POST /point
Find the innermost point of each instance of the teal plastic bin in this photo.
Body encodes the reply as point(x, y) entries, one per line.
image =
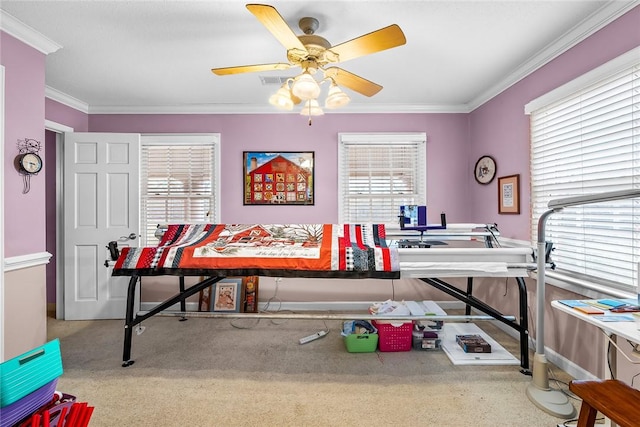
point(28, 372)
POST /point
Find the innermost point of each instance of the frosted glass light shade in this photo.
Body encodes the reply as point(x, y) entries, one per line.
point(282, 98)
point(311, 108)
point(336, 98)
point(305, 87)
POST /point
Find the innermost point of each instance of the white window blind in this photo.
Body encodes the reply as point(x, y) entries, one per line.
point(378, 173)
point(588, 142)
point(178, 182)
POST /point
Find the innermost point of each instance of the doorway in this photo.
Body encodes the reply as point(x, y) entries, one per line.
point(54, 140)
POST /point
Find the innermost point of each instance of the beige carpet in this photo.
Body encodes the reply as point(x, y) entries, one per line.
point(206, 372)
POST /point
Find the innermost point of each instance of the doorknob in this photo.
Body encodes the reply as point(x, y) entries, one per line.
point(131, 236)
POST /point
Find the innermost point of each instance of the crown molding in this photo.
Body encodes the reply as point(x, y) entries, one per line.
point(267, 109)
point(26, 34)
point(65, 99)
point(596, 21)
point(56, 127)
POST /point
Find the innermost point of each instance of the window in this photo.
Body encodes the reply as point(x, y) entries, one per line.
point(378, 173)
point(179, 177)
point(585, 139)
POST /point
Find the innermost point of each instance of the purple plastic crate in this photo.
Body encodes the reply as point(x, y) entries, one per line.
point(22, 408)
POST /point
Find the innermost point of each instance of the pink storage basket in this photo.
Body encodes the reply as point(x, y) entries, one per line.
point(394, 338)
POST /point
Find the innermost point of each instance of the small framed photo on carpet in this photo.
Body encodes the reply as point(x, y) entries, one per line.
point(227, 295)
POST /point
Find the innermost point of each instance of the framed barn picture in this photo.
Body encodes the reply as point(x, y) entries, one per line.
point(278, 177)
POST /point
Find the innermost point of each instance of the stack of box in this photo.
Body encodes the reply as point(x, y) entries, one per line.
point(473, 343)
point(428, 334)
point(28, 382)
point(426, 339)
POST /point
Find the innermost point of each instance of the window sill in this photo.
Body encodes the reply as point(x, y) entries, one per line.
point(587, 288)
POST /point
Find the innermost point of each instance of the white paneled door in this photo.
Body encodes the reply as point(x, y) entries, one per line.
point(101, 191)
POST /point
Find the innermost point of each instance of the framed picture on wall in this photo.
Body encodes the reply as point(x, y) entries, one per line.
point(227, 295)
point(509, 194)
point(278, 177)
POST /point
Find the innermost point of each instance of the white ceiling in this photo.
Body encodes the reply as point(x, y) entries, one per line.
point(156, 56)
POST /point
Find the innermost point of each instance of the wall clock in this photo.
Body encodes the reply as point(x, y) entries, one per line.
point(485, 169)
point(30, 163)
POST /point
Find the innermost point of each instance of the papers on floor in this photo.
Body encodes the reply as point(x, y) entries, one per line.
point(498, 356)
point(406, 308)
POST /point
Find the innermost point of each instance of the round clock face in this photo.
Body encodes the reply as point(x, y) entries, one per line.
point(31, 163)
point(485, 169)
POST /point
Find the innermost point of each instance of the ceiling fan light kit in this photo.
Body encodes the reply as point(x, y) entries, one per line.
point(312, 52)
point(336, 98)
point(311, 108)
point(305, 87)
point(282, 98)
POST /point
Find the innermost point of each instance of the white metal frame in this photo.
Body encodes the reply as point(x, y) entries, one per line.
point(556, 402)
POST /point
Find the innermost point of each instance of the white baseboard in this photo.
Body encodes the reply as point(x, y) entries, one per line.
point(332, 305)
point(148, 306)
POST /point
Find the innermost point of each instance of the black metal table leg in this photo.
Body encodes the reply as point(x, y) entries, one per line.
point(524, 326)
point(467, 308)
point(132, 320)
point(128, 323)
point(183, 303)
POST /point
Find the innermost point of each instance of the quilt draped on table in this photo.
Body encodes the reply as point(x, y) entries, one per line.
point(283, 250)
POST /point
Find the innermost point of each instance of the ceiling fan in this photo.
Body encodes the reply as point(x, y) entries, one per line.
point(312, 52)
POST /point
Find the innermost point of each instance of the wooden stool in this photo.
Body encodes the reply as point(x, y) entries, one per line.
point(613, 398)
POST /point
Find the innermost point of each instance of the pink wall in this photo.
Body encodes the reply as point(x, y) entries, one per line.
point(500, 127)
point(455, 141)
point(62, 114)
point(24, 118)
point(447, 148)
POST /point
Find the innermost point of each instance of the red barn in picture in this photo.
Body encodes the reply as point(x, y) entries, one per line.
point(278, 178)
point(250, 234)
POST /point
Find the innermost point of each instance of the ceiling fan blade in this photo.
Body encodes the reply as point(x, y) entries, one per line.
point(382, 39)
point(270, 18)
point(250, 68)
point(352, 81)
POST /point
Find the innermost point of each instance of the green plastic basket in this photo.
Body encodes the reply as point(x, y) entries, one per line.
point(361, 343)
